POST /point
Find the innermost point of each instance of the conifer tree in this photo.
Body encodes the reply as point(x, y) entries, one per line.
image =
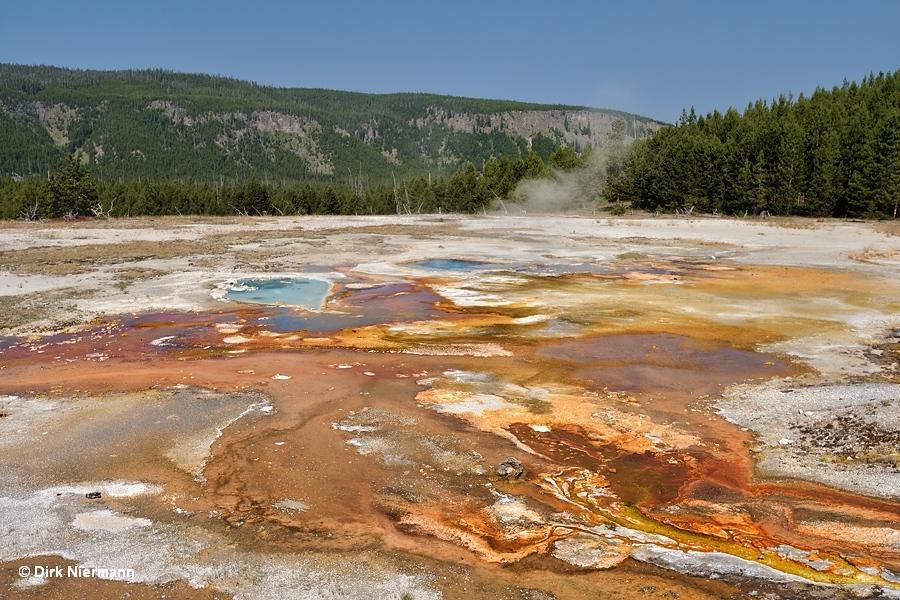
point(72, 190)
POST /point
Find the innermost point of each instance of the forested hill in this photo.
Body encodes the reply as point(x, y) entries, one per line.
point(162, 125)
point(834, 153)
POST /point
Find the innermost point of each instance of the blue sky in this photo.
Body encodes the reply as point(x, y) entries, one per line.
point(651, 58)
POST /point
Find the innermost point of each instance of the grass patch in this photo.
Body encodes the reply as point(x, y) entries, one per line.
point(261, 260)
point(792, 222)
point(18, 311)
point(871, 255)
point(888, 227)
point(208, 263)
point(534, 405)
point(71, 260)
point(166, 222)
point(632, 256)
point(419, 231)
point(138, 273)
point(128, 275)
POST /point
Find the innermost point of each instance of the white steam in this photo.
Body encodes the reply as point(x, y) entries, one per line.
point(581, 188)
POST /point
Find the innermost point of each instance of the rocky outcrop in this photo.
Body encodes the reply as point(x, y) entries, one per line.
point(300, 133)
point(55, 118)
point(577, 127)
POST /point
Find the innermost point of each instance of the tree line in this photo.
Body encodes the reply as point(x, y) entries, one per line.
point(72, 191)
point(835, 153)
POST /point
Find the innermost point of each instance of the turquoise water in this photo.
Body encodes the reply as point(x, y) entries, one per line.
point(450, 264)
point(299, 292)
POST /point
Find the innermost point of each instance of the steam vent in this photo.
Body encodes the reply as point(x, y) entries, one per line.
point(509, 406)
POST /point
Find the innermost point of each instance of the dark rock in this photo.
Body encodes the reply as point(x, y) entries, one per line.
point(93, 495)
point(510, 468)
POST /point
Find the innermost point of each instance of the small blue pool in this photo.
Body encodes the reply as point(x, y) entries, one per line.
point(299, 292)
point(450, 264)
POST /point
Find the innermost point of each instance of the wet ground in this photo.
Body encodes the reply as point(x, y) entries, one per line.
point(350, 449)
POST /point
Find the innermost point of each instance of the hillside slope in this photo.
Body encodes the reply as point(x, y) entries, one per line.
point(161, 125)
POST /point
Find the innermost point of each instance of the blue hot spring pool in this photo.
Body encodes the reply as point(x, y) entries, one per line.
point(450, 264)
point(301, 292)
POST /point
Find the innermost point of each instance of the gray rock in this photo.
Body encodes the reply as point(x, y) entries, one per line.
point(510, 469)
